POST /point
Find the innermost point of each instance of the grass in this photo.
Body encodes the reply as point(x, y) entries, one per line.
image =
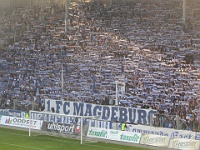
point(19, 140)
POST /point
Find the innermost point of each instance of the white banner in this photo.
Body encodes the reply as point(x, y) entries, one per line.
point(171, 133)
point(116, 135)
point(154, 140)
point(20, 122)
point(184, 144)
point(109, 113)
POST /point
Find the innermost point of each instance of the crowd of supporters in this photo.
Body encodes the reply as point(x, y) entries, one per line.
point(143, 45)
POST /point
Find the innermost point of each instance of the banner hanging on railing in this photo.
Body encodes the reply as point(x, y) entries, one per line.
point(109, 113)
point(12, 113)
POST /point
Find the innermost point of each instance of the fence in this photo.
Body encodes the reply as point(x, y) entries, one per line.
point(175, 122)
point(163, 121)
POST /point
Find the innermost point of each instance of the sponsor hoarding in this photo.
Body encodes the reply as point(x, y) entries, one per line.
point(20, 122)
point(61, 128)
point(130, 137)
point(97, 133)
point(155, 140)
point(184, 144)
point(171, 133)
point(116, 135)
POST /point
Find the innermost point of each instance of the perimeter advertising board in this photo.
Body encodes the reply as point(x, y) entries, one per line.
point(184, 144)
point(20, 122)
point(171, 133)
point(154, 140)
point(61, 128)
point(116, 135)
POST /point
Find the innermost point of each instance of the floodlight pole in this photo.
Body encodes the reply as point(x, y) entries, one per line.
point(66, 16)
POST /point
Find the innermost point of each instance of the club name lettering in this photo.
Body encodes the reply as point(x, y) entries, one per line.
point(110, 113)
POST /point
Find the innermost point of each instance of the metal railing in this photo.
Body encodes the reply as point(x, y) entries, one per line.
point(175, 122)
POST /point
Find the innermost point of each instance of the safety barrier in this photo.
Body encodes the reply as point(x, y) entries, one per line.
point(145, 139)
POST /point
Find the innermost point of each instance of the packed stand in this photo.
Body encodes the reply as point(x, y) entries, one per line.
point(141, 44)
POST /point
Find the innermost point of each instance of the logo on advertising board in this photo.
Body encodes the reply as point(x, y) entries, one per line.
point(61, 128)
point(184, 144)
point(20, 122)
point(154, 140)
point(8, 121)
point(113, 134)
point(77, 129)
point(130, 138)
point(100, 133)
point(149, 140)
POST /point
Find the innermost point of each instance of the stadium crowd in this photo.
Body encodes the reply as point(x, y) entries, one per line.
point(144, 45)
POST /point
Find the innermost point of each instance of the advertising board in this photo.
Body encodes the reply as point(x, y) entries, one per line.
point(115, 135)
point(97, 133)
point(130, 137)
point(61, 128)
point(184, 144)
point(154, 140)
point(171, 133)
point(20, 122)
